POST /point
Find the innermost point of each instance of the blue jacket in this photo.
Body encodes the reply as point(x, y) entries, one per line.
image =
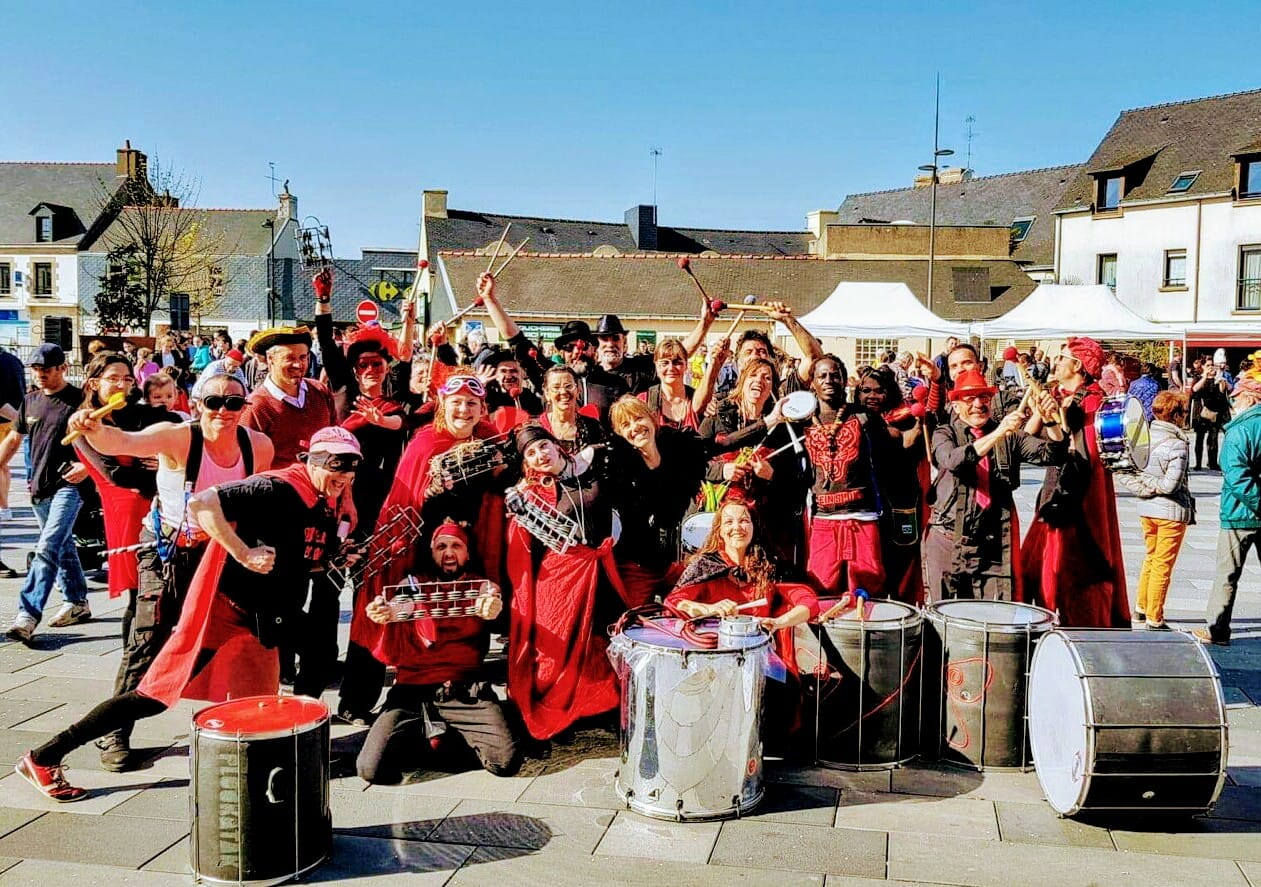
point(1240, 460)
point(1145, 388)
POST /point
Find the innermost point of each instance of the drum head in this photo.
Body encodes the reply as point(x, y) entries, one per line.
point(799, 406)
point(1057, 724)
point(1137, 433)
point(881, 611)
point(658, 633)
point(261, 715)
point(993, 613)
point(696, 530)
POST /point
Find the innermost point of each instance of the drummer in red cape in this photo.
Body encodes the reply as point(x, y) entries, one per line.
point(972, 549)
point(1080, 572)
point(266, 533)
point(438, 691)
point(564, 593)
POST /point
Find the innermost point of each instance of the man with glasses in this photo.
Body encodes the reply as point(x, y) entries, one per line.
point(1240, 504)
point(972, 548)
point(191, 458)
point(53, 474)
point(265, 532)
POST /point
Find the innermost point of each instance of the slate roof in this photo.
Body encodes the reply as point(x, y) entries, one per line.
point(988, 200)
point(466, 230)
point(650, 285)
point(1161, 142)
point(76, 186)
point(240, 231)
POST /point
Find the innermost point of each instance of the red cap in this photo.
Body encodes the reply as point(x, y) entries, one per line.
point(235, 354)
point(1010, 353)
point(450, 528)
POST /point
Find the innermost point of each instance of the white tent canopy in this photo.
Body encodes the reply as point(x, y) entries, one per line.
point(875, 311)
point(1058, 310)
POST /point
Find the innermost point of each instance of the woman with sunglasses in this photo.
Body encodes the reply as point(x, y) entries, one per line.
point(458, 421)
point(574, 431)
point(562, 595)
point(190, 457)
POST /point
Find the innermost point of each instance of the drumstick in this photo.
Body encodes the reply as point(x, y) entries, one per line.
point(686, 265)
point(511, 256)
point(116, 401)
point(751, 605)
point(748, 300)
point(498, 247)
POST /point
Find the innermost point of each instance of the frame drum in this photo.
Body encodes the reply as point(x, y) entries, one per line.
point(691, 721)
point(1124, 720)
point(799, 406)
point(695, 531)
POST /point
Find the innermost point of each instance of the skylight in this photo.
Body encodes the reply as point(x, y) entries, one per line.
point(1184, 182)
point(1020, 229)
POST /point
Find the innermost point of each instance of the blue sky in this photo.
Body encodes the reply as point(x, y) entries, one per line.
point(763, 111)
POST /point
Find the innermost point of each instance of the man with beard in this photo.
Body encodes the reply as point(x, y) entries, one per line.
point(505, 389)
point(597, 388)
point(638, 372)
point(437, 702)
point(844, 544)
point(972, 549)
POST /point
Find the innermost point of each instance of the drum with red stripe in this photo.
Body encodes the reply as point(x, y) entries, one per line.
point(260, 790)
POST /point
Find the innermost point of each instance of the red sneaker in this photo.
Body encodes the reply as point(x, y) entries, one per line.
point(50, 781)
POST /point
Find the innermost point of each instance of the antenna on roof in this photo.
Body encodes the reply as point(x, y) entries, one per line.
point(655, 152)
point(272, 178)
point(971, 134)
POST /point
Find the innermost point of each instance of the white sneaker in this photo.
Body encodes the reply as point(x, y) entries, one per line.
point(71, 614)
point(23, 627)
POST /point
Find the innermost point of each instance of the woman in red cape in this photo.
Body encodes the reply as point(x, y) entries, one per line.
point(458, 420)
point(558, 667)
point(1073, 562)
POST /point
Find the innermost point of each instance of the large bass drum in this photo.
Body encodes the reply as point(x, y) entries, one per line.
point(860, 683)
point(976, 671)
point(1123, 720)
point(691, 720)
point(260, 792)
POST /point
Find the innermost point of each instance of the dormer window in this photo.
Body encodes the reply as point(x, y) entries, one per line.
point(44, 228)
point(1110, 190)
point(1250, 176)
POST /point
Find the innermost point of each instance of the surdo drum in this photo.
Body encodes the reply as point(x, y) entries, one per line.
point(691, 719)
point(864, 677)
point(976, 670)
point(1122, 432)
point(1122, 720)
point(260, 795)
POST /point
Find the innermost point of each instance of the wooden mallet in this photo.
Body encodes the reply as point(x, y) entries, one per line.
point(749, 304)
point(116, 401)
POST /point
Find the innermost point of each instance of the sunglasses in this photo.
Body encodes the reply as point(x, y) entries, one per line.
point(454, 384)
point(232, 402)
point(579, 345)
point(344, 463)
point(370, 365)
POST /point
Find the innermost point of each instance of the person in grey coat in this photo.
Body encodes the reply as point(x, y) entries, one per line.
point(1166, 506)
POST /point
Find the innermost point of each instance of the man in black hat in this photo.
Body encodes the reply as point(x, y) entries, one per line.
point(506, 389)
point(638, 371)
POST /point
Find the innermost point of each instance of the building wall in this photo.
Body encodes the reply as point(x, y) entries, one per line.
point(26, 326)
point(1140, 238)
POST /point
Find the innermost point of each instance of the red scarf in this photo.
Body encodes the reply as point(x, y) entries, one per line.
point(296, 476)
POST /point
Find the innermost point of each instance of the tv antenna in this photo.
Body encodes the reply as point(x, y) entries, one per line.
point(271, 176)
point(971, 134)
point(656, 153)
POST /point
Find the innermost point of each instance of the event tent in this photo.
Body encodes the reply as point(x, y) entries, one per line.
point(1057, 310)
point(875, 311)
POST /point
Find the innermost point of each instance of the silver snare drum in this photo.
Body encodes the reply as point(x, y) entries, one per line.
point(691, 722)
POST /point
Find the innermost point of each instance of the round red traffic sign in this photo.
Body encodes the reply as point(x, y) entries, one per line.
point(367, 311)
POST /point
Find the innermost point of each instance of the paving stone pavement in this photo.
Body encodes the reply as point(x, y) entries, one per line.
point(561, 823)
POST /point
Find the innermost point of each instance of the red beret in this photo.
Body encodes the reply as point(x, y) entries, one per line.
point(1089, 352)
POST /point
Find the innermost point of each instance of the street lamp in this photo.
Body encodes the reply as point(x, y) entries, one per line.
point(933, 168)
point(270, 225)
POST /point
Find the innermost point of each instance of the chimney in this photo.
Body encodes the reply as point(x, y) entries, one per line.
point(288, 207)
point(435, 204)
point(818, 219)
point(953, 175)
point(131, 164)
point(642, 221)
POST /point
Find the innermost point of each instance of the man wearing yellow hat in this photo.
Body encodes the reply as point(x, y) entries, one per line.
point(287, 407)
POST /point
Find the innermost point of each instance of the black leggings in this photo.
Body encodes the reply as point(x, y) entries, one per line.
point(116, 713)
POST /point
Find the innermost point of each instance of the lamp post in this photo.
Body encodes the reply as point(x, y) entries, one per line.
point(270, 225)
point(933, 168)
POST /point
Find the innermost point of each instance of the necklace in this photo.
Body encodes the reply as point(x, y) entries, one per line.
point(576, 506)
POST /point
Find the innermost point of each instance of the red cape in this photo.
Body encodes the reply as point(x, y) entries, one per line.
point(124, 511)
point(1060, 576)
point(558, 666)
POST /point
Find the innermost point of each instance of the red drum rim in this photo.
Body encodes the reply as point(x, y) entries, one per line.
point(261, 717)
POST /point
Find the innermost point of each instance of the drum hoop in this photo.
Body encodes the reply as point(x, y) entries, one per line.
point(795, 413)
point(685, 652)
point(238, 735)
point(1049, 624)
point(911, 618)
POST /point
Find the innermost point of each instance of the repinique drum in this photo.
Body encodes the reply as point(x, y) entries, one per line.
point(695, 531)
point(861, 685)
point(1122, 432)
point(691, 721)
point(1123, 720)
point(260, 795)
point(976, 672)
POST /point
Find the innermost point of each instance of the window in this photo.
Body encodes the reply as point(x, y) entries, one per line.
point(1250, 177)
point(179, 311)
point(1109, 193)
point(6, 280)
point(43, 278)
point(1184, 182)
point(1249, 297)
point(1020, 229)
point(1108, 270)
point(869, 352)
point(43, 229)
point(1175, 267)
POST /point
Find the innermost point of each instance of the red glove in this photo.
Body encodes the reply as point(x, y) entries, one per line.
point(323, 285)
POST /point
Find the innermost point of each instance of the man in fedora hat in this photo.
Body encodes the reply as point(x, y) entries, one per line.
point(638, 371)
point(972, 548)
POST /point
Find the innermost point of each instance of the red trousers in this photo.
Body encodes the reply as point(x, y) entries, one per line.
point(850, 544)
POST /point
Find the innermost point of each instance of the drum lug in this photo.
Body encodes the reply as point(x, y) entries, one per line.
point(735, 802)
point(678, 810)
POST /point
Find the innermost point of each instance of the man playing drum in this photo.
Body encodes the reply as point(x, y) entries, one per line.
point(972, 549)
